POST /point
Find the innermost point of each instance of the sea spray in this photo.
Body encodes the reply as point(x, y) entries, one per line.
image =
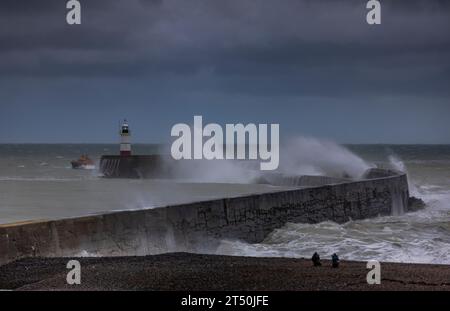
point(312, 156)
point(299, 156)
point(397, 164)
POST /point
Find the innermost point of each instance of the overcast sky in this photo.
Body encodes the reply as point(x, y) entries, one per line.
point(315, 67)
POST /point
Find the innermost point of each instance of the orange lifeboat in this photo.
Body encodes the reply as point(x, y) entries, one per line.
point(84, 162)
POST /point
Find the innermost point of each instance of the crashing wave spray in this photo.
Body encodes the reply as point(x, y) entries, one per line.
point(311, 156)
point(397, 164)
point(299, 156)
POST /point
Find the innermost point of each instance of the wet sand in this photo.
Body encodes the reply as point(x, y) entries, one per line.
point(192, 272)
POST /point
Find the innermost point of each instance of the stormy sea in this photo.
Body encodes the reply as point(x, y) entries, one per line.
point(38, 182)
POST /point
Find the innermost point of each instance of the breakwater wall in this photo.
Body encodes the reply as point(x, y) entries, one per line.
point(145, 166)
point(198, 226)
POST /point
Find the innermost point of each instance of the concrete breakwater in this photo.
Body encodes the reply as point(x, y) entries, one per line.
point(198, 226)
point(149, 166)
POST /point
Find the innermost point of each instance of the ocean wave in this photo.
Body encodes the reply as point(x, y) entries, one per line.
point(386, 245)
point(418, 237)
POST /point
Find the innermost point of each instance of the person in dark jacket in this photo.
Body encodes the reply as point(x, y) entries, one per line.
point(316, 260)
point(335, 261)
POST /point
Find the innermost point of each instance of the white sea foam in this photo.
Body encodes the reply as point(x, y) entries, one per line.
point(419, 237)
point(88, 167)
point(85, 253)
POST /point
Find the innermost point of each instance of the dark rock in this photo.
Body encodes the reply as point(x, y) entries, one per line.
point(415, 204)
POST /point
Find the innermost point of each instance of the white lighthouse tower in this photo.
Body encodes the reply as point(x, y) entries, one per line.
point(125, 135)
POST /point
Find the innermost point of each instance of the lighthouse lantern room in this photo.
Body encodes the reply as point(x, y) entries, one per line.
point(125, 135)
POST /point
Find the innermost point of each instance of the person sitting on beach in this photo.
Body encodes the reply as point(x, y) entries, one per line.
point(335, 260)
point(316, 260)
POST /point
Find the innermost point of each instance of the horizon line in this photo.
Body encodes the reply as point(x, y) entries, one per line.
point(159, 143)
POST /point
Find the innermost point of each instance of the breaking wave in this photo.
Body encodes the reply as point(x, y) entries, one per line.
point(311, 156)
point(298, 156)
point(419, 237)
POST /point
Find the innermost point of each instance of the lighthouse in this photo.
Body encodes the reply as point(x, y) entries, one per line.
point(125, 135)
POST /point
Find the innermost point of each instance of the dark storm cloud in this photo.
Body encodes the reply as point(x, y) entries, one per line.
point(318, 44)
point(311, 65)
